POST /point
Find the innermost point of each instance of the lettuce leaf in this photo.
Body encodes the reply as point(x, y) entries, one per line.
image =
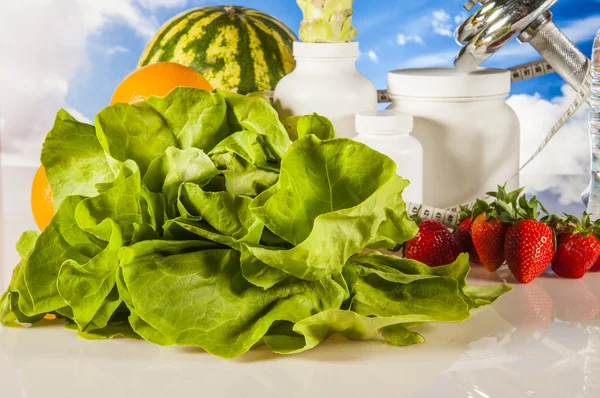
point(301, 126)
point(176, 167)
point(246, 162)
point(330, 205)
point(74, 159)
point(184, 118)
point(202, 299)
point(192, 219)
point(256, 115)
point(316, 125)
point(86, 287)
point(61, 241)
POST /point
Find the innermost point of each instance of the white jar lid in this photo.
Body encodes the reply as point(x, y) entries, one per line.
point(325, 50)
point(448, 83)
point(383, 123)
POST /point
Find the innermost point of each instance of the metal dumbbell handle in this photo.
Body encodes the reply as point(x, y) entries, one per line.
point(558, 51)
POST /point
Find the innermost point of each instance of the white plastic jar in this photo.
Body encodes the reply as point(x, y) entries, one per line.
point(326, 81)
point(389, 133)
point(470, 136)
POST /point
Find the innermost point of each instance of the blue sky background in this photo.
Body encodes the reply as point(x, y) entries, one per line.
point(379, 23)
point(75, 52)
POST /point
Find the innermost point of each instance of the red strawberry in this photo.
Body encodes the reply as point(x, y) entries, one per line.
point(433, 245)
point(490, 226)
point(528, 248)
point(576, 255)
point(578, 247)
point(563, 233)
point(488, 239)
point(464, 239)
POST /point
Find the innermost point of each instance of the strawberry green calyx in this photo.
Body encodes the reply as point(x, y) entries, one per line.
point(506, 197)
point(556, 222)
point(417, 216)
point(513, 207)
point(326, 21)
point(504, 207)
point(465, 212)
point(583, 226)
point(530, 210)
point(482, 207)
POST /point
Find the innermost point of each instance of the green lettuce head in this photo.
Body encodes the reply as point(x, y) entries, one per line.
point(326, 21)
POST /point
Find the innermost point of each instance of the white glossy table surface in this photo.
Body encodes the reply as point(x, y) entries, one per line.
point(540, 340)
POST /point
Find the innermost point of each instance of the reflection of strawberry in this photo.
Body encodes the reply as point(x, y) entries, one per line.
point(527, 307)
point(464, 238)
point(580, 304)
point(433, 245)
point(593, 284)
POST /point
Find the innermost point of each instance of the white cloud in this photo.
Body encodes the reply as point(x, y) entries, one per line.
point(46, 56)
point(97, 14)
point(403, 39)
point(440, 23)
point(568, 187)
point(567, 154)
point(581, 29)
point(458, 19)
point(441, 15)
point(110, 51)
point(154, 4)
point(373, 56)
point(78, 115)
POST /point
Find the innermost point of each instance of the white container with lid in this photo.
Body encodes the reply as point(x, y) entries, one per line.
point(389, 133)
point(326, 81)
point(470, 136)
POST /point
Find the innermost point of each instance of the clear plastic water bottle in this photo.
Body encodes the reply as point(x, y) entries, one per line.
point(594, 199)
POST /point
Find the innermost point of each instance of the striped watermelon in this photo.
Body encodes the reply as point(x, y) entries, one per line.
point(234, 48)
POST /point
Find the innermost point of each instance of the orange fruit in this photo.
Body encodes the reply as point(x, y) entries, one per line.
point(42, 204)
point(157, 79)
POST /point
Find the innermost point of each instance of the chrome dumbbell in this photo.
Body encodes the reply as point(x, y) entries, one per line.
point(496, 22)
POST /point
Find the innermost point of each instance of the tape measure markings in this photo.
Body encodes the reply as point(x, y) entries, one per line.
point(447, 217)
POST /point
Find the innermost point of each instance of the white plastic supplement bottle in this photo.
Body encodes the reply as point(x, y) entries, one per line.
point(389, 133)
point(470, 136)
point(327, 82)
